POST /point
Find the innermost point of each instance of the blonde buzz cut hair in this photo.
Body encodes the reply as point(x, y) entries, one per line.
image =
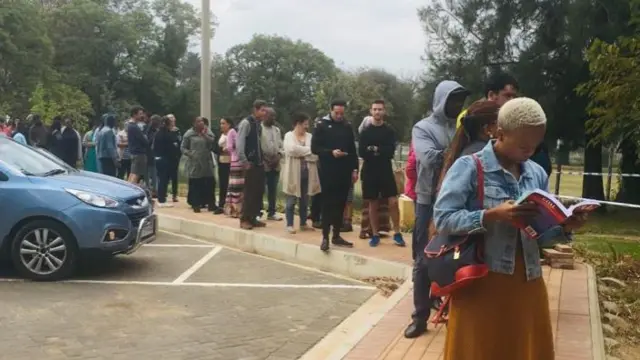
point(521, 112)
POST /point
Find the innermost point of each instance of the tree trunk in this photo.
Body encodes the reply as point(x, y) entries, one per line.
point(629, 191)
point(592, 187)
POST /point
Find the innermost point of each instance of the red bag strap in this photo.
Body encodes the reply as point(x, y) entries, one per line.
point(480, 180)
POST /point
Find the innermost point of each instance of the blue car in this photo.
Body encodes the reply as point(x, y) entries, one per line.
point(53, 215)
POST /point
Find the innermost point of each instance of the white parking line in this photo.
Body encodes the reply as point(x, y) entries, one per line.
point(209, 285)
point(195, 267)
point(180, 246)
point(337, 276)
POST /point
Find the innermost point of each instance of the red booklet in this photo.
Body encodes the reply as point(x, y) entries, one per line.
point(551, 212)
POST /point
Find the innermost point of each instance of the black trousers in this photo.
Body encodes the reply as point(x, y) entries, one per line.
point(172, 173)
point(253, 193)
point(124, 169)
point(108, 167)
point(162, 167)
point(334, 199)
point(422, 300)
point(201, 192)
point(316, 207)
point(223, 180)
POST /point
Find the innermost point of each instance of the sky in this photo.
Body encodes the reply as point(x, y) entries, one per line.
point(355, 33)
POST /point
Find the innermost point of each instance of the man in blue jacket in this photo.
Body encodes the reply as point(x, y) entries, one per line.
point(106, 148)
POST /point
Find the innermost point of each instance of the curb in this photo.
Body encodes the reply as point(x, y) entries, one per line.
point(597, 337)
point(336, 261)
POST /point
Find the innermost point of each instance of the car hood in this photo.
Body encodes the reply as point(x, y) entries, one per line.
point(97, 183)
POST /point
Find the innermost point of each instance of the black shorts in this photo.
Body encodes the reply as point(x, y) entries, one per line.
point(378, 184)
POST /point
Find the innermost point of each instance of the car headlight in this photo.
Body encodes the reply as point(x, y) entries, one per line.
point(93, 199)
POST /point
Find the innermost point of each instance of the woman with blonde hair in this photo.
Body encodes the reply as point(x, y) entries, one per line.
point(504, 315)
point(300, 178)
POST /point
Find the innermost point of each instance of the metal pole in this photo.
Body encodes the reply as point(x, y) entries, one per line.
point(558, 175)
point(205, 63)
point(559, 159)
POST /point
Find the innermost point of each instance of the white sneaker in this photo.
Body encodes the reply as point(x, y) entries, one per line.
point(291, 230)
point(165, 205)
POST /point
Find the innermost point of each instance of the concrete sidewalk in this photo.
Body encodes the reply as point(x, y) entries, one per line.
point(572, 296)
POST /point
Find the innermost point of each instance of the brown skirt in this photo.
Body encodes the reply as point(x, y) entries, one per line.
point(501, 317)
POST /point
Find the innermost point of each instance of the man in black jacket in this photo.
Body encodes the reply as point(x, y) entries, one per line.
point(250, 156)
point(334, 143)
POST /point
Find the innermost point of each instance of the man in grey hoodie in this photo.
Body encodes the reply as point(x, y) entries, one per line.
point(430, 137)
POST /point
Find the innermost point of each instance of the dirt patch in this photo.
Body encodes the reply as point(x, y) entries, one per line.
point(619, 295)
point(386, 285)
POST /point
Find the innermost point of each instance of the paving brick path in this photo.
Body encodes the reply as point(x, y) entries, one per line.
point(568, 299)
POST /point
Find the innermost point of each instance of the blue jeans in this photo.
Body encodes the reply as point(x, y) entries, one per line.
point(421, 283)
point(303, 205)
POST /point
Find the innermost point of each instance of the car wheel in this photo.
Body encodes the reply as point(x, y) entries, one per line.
point(44, 250)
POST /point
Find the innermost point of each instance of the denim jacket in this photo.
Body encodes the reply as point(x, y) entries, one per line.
point(456, 212)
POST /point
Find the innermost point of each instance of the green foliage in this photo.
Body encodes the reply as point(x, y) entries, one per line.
point(279, 70)
point(614, 88)
point(118, 53)
point(25, 53)
point(59, 99)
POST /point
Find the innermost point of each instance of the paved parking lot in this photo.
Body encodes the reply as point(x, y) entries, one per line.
point(177, 298)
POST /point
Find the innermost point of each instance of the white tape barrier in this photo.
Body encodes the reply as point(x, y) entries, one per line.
point(580, 173)
point(612, 203)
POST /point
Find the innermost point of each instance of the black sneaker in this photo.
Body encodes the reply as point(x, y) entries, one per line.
point(346, 227)
point(339, 241)
point(325, 245)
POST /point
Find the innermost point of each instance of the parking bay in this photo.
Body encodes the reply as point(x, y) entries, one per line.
point(177, 298)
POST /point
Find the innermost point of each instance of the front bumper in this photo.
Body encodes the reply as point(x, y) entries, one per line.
point(145, 233)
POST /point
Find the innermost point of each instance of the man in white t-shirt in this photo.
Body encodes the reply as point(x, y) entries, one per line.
point(123, 152)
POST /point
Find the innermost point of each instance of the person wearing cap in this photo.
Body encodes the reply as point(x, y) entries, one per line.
point(430, 138)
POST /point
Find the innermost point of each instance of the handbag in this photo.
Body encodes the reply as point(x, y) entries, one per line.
point(455, 261)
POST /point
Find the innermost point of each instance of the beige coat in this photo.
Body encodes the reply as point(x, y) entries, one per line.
point(293, 153)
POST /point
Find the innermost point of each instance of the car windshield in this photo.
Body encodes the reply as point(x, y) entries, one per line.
point(27, 160)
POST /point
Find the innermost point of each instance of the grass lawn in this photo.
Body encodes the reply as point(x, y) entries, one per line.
point(610, 244)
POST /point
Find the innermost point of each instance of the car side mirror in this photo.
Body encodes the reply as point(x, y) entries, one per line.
point(3, 176)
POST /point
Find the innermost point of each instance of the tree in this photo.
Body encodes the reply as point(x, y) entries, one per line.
point(283, 72)
point(540, 42)
point(25, 55)
point(614, 100)
point(59, 99)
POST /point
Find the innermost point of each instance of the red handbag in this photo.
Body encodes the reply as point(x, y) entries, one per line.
point(455, 261)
